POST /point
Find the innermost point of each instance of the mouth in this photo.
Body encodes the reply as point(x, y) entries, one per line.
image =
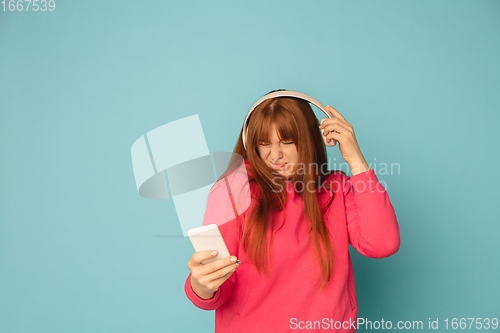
point(278, 166)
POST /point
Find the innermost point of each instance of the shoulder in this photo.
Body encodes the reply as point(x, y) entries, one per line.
point(336, 180)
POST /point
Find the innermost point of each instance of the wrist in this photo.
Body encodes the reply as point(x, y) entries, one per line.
point(201, 294)
point(205, 296)
point(359, 166)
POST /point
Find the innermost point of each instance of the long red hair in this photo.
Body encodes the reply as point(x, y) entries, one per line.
point(295, 121)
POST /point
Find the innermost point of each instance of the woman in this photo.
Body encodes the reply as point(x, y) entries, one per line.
point(290, 266)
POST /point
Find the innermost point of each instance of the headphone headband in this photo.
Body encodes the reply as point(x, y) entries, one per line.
point(282, 93)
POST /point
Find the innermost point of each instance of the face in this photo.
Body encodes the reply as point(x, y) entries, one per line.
point(279, 155)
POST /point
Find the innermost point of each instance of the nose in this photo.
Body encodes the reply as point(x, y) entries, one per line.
point(275, 153)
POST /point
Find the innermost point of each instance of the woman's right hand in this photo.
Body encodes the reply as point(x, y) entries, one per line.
point(206, 279)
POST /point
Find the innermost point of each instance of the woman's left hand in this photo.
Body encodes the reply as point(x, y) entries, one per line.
point(337, 129)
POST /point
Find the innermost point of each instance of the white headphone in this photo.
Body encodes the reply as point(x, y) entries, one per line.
point(283, 93)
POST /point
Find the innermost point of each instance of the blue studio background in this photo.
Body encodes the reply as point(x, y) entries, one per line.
point(80, 250)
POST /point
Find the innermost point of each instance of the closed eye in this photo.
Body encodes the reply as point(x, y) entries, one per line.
point(267, 144)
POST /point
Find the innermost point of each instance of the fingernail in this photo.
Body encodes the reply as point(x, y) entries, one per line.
point(214, 253)
point(233, 259)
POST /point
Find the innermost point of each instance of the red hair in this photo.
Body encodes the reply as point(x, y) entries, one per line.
point(295, 121)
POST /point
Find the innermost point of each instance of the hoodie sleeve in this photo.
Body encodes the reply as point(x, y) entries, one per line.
point(371, 220)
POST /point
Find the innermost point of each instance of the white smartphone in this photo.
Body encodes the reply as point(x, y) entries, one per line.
point(207, 238)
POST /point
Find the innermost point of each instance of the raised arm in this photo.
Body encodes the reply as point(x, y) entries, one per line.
point(371, 219)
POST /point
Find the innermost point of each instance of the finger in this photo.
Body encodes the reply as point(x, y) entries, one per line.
point(324, 119)
point(337, 127)
point(198, 257)
point(330, 142)
point(335, 137)
point(328, 121)
point(222, 272)
point(335, 113)
point(217, 265)
point(219, 281)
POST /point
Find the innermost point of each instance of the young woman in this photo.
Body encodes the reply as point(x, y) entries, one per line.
point(290, 266)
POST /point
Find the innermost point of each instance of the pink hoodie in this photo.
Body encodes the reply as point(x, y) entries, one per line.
point(290, 299)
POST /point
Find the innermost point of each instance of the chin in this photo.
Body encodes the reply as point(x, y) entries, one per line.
point(285, 175)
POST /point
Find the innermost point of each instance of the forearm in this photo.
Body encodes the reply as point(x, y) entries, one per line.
point(359, 166)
